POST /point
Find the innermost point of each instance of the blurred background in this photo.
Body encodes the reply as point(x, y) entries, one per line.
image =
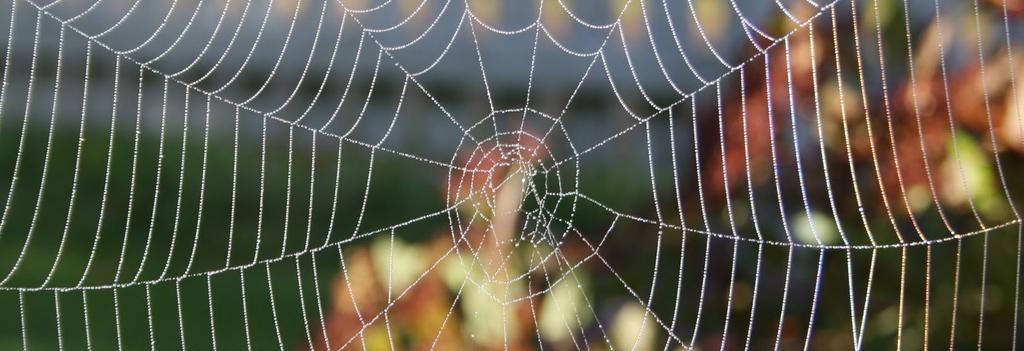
point(556, 174)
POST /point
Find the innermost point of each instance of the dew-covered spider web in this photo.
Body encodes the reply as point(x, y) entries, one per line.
point(511, 175)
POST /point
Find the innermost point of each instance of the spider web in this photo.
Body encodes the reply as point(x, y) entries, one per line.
point(250, 173)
